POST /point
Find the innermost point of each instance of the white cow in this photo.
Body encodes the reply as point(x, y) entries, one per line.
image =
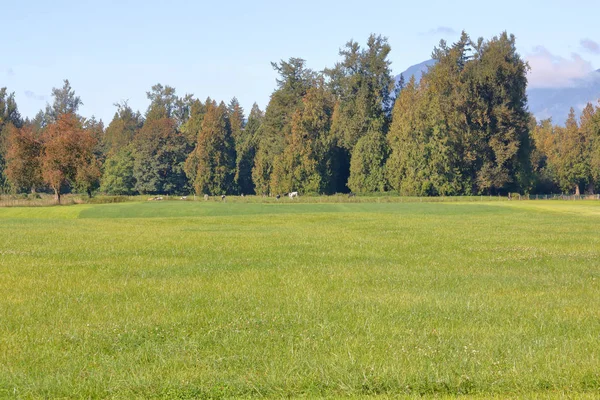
point(293, 194)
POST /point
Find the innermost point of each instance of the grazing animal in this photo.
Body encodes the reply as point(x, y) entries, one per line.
point(242, 194)
point(222, 197)
point(278, 196)
point(293, 194)
point(184, 198)
point(351, 194)
point(205, 197)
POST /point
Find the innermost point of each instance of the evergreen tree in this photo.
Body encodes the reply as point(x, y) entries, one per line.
point(465, 128)
point(544, 157)
point(163, 102)
point(573, 167)
point(367, 167)
point(211, 166)
point(410, 168)
point(122, 129)
point(499, 121)
point(364, 85)
point(305, 164)
point(246, 151)
point(590, 133)
point(9, 117)
point(192, 127)
point(65, 102)
point(242, 143)
point(294, 81)
point(236, 119)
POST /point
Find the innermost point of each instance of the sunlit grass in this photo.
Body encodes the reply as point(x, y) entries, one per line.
point(210, 299)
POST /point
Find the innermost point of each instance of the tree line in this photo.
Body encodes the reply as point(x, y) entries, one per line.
point(464, 128)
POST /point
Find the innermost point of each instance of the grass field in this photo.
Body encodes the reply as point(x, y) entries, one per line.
point(208, 299)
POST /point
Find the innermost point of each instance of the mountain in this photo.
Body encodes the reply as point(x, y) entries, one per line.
point(544, 103)
point(417, 71)
point(555, 103)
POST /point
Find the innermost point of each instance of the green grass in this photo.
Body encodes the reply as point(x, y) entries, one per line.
point(208, 299)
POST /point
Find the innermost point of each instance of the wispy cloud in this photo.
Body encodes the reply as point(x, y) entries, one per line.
point(590, 46)
point(31, 95)
point(552, 71)
point(440, 30)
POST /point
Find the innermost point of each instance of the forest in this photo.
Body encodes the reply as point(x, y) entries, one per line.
point(463, 129)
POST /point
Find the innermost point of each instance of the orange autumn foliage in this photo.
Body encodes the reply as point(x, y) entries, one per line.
point(68, 157)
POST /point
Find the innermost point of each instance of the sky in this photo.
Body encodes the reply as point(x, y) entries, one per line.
point(112, 51)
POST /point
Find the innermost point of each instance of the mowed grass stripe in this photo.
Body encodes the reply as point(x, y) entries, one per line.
point(383, 299)
point(174, 209)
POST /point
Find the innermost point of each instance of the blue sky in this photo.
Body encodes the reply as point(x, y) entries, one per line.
point(116, 50)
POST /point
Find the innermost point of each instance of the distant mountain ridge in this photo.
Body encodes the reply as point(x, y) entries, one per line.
point(544, 103)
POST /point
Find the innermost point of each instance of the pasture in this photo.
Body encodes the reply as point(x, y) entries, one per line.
point(227, 300)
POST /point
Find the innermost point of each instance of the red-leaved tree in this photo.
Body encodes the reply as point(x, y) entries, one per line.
point(68, 158)
point(23, 158)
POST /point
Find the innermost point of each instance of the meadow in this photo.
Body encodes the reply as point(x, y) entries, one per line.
point(238, 299)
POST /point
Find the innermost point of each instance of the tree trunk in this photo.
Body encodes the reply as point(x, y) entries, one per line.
point(577, 192)
point(591, 188)
point(57, 195)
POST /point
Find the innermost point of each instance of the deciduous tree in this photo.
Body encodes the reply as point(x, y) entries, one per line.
point(159, 152)
point(68, 158)
point(24, 155)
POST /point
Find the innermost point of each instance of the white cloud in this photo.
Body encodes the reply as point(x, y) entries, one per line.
point(552, 71)
point(441, 30)
point(31, 95)
point(590, 46)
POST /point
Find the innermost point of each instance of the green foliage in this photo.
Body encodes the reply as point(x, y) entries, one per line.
point(122, 129)
point(163, 102)
point(246, 150)
point(543, 157)
point(118, 178)
point(567, 157)
point(9, 117)
point(305, 163)
point(211, 166)
point(573, 171)
point(159, 153)
point(364, 84)
point(463, 130)
point(293, 83)
point(465, 127)
point(65, 102)
point(191, 128)
point(418, 163)
point(367, 167)
point(591, 127)
point(244, 147)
